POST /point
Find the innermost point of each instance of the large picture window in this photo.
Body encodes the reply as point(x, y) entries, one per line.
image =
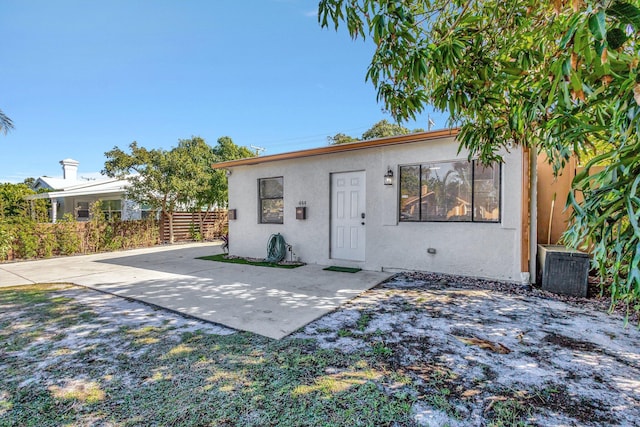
point(271, 202)
point(450, 191)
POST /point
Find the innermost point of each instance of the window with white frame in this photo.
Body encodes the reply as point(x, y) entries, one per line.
point(112, 209)
point(82, 211)
point(451, 191)
point(271, 200)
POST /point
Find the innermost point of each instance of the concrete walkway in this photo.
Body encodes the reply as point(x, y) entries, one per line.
point(272, 302)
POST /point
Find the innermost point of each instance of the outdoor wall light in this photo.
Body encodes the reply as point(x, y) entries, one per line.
point(388, 177)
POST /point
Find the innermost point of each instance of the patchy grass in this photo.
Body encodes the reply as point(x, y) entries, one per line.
point(133, 373)
point(508, 413)
point(392, 357)
point(258, 263)
point(475, 356)
point(363, 321)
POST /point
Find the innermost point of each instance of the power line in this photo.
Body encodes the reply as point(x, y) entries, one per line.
point(280, 141)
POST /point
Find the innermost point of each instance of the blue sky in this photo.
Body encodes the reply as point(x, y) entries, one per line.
point(80, 77)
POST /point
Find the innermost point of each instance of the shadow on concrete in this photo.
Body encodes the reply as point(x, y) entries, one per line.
point(269, 301)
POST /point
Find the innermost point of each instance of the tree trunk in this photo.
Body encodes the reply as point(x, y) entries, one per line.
point(170, 216)
point(202, 217)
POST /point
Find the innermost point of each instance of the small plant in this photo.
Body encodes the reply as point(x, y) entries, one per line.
point(509, 412)
point(400, 377)
point(441, 400)
point(194, 232)
point(343, 333)
point(380, 349)
point(363, 321)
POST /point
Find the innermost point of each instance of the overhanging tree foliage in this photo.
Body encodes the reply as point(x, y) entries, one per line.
point(216, 192)
point(180, 177)
point(558, 76)
point(379, 130)
point(15, 207)
point(340, 138)
point(161, 179)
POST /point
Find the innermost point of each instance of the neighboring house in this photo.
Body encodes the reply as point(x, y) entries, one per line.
point(409, 202)
point(70, 195)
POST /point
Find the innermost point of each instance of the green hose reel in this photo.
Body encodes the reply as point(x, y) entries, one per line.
point(276, 248)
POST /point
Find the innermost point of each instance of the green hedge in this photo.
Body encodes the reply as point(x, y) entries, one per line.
point(23, 238)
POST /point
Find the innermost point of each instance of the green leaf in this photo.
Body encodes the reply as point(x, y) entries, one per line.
point(597, 25)
point(570, 32)
point(626, 13)
point(599, 47)
point(513, 71)
point(576, 83)
point(566, 67)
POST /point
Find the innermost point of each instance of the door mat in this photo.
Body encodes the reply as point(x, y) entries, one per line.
point(342, 269)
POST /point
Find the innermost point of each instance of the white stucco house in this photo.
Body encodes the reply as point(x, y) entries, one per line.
point(70, 195)
point(408, 202)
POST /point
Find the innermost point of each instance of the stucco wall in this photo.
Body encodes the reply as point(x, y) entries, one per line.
point(476, 249)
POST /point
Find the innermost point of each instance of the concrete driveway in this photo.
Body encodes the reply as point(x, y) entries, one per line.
point(272, 302)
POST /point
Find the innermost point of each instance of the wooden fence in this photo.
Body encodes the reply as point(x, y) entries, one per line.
point(195, 226)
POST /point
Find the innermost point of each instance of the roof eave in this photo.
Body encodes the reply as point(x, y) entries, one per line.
point(351, 146)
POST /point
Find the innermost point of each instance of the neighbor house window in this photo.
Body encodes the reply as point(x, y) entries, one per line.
point(82, 210)
point(112, 209)
point(271, 202)
point(450, 191)
point(147, 212)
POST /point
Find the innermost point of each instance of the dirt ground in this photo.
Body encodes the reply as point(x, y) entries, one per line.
point(462, 352)
point(481, 347)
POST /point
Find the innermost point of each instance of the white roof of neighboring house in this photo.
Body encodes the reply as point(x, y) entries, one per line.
point(56, 183)
point(85, 188)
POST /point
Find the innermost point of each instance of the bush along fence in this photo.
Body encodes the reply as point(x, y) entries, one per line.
point(27, 239)
point(24, 238)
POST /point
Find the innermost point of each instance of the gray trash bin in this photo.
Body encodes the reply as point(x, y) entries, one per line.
point(562, 270)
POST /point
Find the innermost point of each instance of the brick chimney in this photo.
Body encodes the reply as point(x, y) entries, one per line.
point(69, 169)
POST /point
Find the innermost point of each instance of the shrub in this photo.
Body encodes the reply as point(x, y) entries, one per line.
point(95, 229)
point(6, 238)
point(194, 232)
point(24, 238)
point(67, 237)
point(25, 242)
point(47, 243)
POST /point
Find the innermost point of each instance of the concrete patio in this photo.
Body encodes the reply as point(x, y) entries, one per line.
point(272, 302)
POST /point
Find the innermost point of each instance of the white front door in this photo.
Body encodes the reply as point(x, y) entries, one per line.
point(348, 216)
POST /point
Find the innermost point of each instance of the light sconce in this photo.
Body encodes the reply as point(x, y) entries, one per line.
point(388, 177)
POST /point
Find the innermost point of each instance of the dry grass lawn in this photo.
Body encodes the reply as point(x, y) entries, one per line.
point(406, 353)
